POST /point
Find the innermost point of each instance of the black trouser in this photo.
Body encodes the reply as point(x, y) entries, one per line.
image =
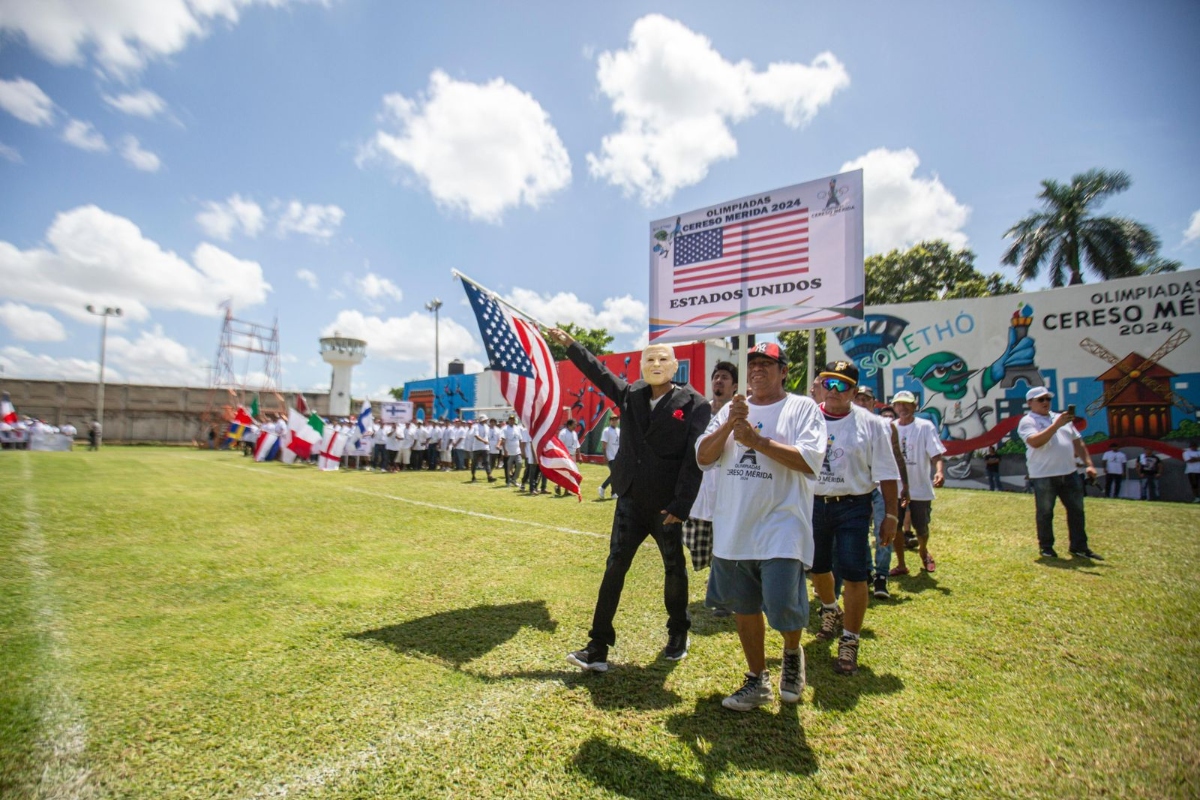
point(480, 460)
point(607, 480)
point(1112, 484)
point(632, 523)
point(431, 456)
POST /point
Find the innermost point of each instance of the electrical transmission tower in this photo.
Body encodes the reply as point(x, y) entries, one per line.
point(260, 368)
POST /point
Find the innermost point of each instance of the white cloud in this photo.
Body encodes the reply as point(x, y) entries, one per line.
point(131, 151)
point(406, 339)
point(143, 103)
point(30, 325)
point(317, 221)
point(78, 133)
point(92, 256)
point(152, 358)
point(618, 314)
point(309, 277)
point(10, 154)
point(1193, 229)
point(677, 97)
point(19, 362)
point(219, 220)
point(375, 288)
point(480, 148)
point(902, 209)
point(156, 359)
point(121, 35)
point(26, 101)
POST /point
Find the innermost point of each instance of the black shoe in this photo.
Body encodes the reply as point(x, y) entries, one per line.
point(677, 647)
point(881, 592)
point(1048, 552)
point(721, 613)
point(1092, 554)
point(592, 658)
point(911, 543)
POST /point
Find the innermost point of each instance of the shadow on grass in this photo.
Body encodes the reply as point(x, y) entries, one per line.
point(920, 581)
point(754, 741)
point(834, 692)
point(623, 687)
point(1085, 565)
point(703, 621)
point(465, 634)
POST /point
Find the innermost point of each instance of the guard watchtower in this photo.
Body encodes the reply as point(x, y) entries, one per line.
point(342, 353)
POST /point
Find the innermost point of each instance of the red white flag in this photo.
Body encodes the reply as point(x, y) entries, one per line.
point(7, 412)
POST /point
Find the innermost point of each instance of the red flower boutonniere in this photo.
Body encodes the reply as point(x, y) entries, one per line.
point(678, 414)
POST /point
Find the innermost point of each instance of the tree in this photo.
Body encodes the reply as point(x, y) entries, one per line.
point(596, 340)
point(1065, 235)
point(929, 270)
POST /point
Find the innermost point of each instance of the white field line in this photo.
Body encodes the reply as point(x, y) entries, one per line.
point(492, 706)
point(63, 735)
point(449, 509)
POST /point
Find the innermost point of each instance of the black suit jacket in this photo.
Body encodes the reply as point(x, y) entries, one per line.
point(656, 459)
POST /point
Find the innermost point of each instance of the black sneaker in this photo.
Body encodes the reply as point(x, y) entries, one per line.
point(910, 543)
point(677, 647)
point(1048, 552)
point(592, 658)
point(881, 592)
point(1092, 554)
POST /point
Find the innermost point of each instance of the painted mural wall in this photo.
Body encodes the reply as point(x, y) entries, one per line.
point(1125, 352)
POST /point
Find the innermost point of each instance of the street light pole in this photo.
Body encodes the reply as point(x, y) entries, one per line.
point(104, 314)
point(433, 305)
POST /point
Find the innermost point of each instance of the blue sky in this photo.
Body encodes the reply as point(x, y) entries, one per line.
point(328, 163)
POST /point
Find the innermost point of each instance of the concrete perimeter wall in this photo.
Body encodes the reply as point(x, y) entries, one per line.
point(132, 413)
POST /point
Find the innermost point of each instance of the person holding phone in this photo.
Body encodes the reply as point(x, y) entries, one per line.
point(1052, 444)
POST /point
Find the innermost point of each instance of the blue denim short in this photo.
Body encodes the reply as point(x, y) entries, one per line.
point(774, 586)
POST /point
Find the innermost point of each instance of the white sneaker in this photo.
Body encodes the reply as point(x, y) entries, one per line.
point(600, 491)
point(791, 683)
point(755, 692)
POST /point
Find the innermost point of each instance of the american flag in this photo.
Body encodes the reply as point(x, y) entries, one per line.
point(760, 249)
point(528, 380)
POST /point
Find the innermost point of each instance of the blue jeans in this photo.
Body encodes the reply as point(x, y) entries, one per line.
point(883, 553)
point(1069, 489)
point(1150, 487)
point(994, 484)
point(840, 533)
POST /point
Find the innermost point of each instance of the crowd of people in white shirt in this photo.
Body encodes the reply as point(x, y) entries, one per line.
point(486, 445)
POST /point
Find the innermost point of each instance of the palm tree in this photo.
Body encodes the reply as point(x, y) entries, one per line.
point(1065, 234)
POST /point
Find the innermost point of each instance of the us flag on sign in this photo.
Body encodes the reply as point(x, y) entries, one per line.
point(518, 354)
point(761, 249)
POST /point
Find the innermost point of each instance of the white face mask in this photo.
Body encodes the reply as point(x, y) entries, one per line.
point(658, 364)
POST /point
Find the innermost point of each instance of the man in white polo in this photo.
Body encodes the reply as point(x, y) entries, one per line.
point(1051, 446)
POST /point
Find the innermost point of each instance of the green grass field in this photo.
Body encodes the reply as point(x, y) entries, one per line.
point(189, 624)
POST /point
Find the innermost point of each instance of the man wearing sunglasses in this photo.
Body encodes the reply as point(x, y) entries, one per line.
point(1051, 446)
point(765, 450)
point(859, 455)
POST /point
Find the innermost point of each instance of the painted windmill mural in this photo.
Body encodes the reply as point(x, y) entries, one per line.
point(1137, 390)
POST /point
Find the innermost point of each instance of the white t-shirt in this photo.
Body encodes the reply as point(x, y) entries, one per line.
point(1114, 462)
point(612, 441)
point(569, 440)
point(858, 453)
point(1191, 467)
point(512, 440)
point(763, 509)
point(1053, 459)
point(478, 431)
point(919, 444)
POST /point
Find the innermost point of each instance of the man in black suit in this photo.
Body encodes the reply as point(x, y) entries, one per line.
point(655, 478)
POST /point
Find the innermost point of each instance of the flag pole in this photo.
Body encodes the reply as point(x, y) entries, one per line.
point(501, 300)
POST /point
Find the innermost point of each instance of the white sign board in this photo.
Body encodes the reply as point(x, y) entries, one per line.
point(396, 411)
point(781, 260)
